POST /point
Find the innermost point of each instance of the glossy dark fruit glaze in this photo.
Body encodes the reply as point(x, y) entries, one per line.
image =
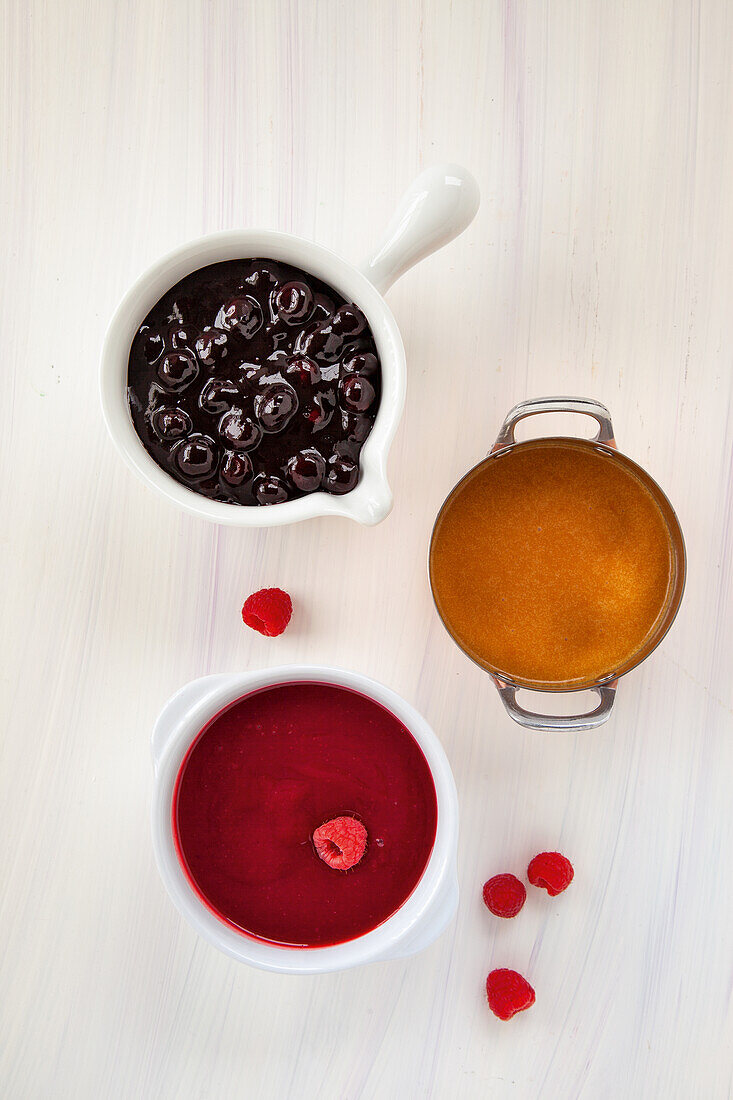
point(252, 382)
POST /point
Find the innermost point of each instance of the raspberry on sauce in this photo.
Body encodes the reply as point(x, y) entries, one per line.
point(340, 842)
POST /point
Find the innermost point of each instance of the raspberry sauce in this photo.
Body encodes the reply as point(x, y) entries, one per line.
point(264, 774)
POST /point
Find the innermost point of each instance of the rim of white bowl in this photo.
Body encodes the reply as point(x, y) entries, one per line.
point(371, 500)
point(381, 941)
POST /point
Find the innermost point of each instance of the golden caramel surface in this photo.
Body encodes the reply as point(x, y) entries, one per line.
point(551, 563)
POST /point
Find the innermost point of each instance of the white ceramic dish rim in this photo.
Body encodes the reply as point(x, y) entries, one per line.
point(371, 500)
point(421, 918)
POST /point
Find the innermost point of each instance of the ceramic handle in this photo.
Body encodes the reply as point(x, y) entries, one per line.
point(176, 707)
point(443, 912)
point(436, 207)
point(584, 405)
point(558, 723)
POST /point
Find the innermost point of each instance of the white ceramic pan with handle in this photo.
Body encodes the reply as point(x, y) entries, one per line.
point(439, 205)
point(422, 917)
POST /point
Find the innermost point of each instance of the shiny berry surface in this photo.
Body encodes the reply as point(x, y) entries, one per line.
point(177, 370)
point(322, 343)
point(238, 431)
point(171, 424)
point(236, 468)
point(318, 410)
point(242, 315)
point(356, 393)
point(342, 475)
point(348, 320)
point(179, 337)
point(356, 427)
point(219, 395)
point(275, 406)
point(152, 344)
point(269, 489)
point(302, 372)
point(211, 346)
point(294, 303)
point(306, 469)
point(366, 364)
point(253, 383)
point(196, 456)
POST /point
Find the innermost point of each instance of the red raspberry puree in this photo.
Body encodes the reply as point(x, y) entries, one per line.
point(269, 770)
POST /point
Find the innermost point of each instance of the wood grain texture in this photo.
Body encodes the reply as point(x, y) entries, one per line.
point(600, 264)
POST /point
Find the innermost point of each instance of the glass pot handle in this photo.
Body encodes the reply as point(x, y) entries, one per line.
point(558, 723)
point(585, 405)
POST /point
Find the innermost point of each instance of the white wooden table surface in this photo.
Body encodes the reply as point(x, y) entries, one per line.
point(601, 264)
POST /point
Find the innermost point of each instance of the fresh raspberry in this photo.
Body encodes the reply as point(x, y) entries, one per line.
point(551, 871)
point(508, 993)
point(504, 895)
point(268, 611)
point(341, 842)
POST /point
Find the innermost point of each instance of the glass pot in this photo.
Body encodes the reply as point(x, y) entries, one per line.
point(605, 687)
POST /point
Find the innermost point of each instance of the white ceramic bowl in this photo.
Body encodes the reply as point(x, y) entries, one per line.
point(437, 207)
point(415, 925)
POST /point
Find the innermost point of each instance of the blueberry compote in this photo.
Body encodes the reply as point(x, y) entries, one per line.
point(252, 382)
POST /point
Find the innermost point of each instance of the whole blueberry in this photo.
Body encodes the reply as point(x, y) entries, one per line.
point(306, 469)
point(238, 431)
point(366, 364)
point(170, 423)
point(323, 310)
point(235, 468)
point(275, 406)
point(152, 343)
point(211, 346)
point(319, 409)
point(269, 489)
point(356, 393)
point(342, 475)
point(348, 320)
point(177, 370)
point(218, 396)
point(253, 375)
point(179, 336)
point(302, 371)
point(320, 343)
point(196, 456)
point(293, 303)
point(242, 315)
point(262, 279)
point(355, 426)
point(309, 339)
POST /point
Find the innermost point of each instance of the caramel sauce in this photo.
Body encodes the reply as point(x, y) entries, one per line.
point(551, 563)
